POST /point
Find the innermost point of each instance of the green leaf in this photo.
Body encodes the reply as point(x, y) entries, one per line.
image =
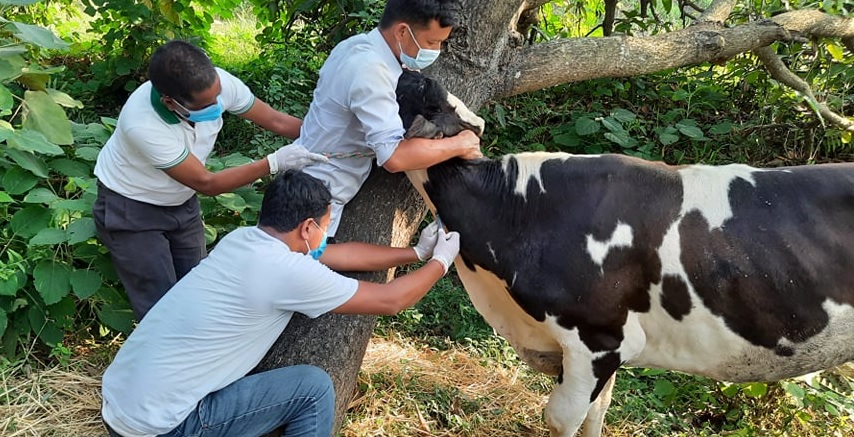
point(4, 320)
point(18, 2)
point(71, 168)
point(795, 390)
point(6, 100)
point(49, 236)
point(47, 331)
point(18, 181)
point(62, 312)
point(756, 389)
point(5, 197)
point(623, 115)
point(41, 195)
point(210, 234)
point(668, 136)
point(663, 388)
point(11, 64)
point(730, 390)
point(612, 124)
point(63, 99)
point(10, 286)
point(586, 126)
point(691, 131)
point(39, 36)
point(87, 153)
point(723, 127)
point(74, 204)
point(235, 160)
point(29, 221)
point(116, 316)
point(85, 282)
point(46, 116)
point(621, 138)
point(231, 201)
point(81, 230)
point(52, 280)
point(835, 51)
point(6, 131)
point(33, 141)
point(567, 139)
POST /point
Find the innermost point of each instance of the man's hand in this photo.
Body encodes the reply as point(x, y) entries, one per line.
point(447, 247)
point(470, 143)
point(292, 156)
point(426, 242)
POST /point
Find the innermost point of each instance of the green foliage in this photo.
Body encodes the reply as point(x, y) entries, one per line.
point(51, 266)
point(324, 22)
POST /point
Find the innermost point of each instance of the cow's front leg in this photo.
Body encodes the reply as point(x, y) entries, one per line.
point(585, 376)
point(596, 414)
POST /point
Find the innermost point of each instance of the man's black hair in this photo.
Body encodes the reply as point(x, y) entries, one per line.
point(419, 13)
point(291, 198)
point(180, 70)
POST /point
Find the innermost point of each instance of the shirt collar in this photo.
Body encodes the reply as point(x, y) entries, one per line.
point(168, 116)
point(377, 40)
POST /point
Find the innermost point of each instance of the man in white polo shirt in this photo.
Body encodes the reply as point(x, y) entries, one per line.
point(353, 116)
point(150, 169)
point(182, 370)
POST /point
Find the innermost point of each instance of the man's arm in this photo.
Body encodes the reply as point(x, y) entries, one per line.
point(418, 153)
point(392, 297)
point(364, 257)
point(192, 173)
point(404, 291)
point(275, 121)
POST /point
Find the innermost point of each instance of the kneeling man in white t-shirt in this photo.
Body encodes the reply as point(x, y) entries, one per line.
point(183, 368)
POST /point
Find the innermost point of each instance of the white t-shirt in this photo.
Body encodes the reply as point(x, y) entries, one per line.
point(354, 110)
point(212, 327)
point(149, 139)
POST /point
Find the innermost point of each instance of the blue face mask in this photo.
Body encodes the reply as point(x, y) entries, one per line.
point(316, 253)
point(208, 113)
point(422, 59)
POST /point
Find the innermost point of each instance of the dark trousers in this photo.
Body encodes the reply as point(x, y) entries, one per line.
point(152, 246)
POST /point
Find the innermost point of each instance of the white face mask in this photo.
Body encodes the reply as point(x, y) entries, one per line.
point(423, 59)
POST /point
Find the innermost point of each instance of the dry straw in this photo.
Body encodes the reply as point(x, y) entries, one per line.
point(66, 401)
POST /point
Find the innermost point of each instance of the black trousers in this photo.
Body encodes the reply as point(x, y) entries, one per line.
point(151, 246)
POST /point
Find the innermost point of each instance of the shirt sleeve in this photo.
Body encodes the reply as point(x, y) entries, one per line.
point(374, 102)
point(315, 290)
point(237, 98)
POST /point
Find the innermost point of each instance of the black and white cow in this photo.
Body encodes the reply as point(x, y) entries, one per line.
point(586, 263)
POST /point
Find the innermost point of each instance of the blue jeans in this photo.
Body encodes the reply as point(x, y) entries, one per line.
point(299, 398)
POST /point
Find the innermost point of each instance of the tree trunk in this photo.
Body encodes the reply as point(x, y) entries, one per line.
point(386, 211)
point(488, 58)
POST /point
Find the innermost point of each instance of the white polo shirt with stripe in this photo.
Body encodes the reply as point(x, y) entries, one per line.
point(149, 138)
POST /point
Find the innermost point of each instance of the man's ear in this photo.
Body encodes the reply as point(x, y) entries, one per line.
point(305, 228)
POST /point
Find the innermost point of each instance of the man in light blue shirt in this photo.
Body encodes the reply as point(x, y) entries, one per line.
point(354, 113)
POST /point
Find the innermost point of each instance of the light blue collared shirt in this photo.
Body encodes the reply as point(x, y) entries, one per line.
point(354, 111)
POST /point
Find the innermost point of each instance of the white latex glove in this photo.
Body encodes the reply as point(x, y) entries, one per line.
point(447, 247)
point(424, 248)
point(292, 156)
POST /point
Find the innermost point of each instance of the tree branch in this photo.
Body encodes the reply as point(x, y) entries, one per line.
point(819, 24)
point(581, 59)
point(717, 12)
point(782, 74)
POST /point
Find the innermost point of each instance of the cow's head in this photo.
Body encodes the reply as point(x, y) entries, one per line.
point(429, 111)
